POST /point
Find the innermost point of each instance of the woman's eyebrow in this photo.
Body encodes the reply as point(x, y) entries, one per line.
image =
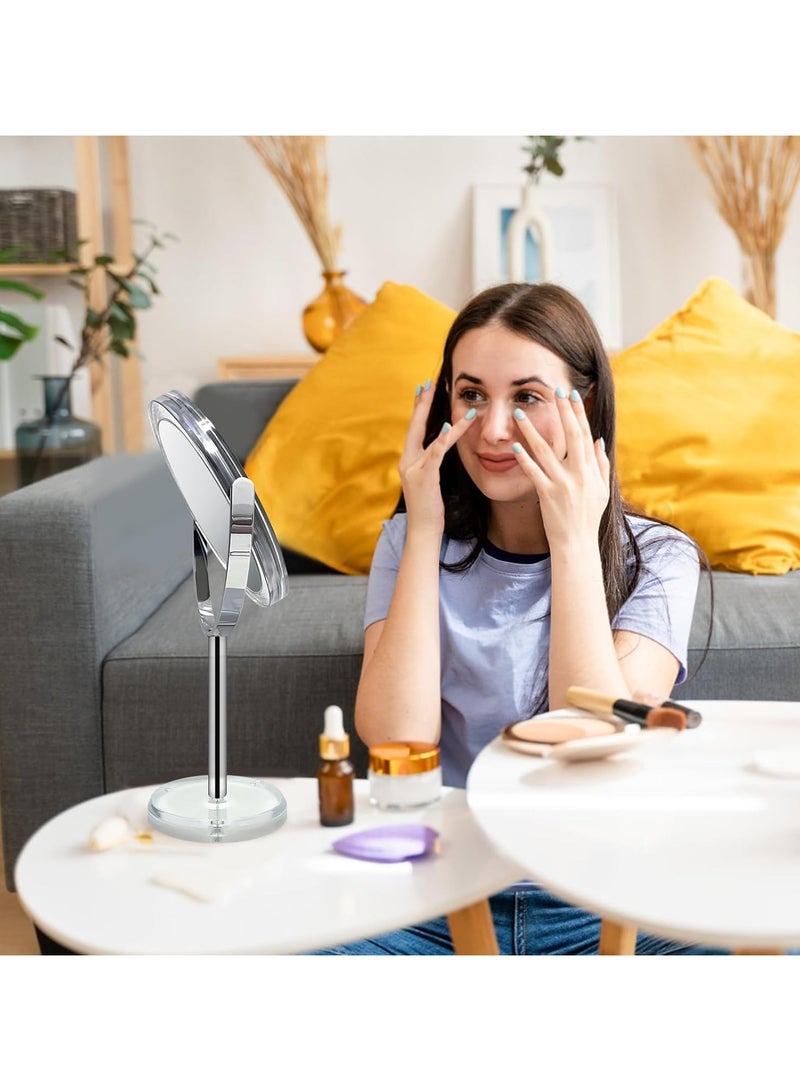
point(515, 382)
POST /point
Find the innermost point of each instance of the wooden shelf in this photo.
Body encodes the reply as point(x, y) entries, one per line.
point(35, 269)
point(128, 413)
point(265, 367)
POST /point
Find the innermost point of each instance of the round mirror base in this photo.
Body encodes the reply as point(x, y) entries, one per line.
point(252, 808)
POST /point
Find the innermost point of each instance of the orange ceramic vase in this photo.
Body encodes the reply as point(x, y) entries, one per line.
point(331, 312)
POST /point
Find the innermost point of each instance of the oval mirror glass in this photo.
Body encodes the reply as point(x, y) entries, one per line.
point(204, 470)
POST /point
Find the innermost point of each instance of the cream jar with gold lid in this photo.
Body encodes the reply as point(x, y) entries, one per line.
point(403, 775)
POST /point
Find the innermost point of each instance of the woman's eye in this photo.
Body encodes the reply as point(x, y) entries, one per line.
point(527, 397)
point(468, 395)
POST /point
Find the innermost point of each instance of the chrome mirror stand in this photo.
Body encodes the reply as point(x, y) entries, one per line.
point(219, 807)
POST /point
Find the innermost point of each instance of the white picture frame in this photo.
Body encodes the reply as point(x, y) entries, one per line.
point(585, 246)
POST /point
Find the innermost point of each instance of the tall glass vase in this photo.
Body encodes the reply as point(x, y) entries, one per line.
point(331, 312)
point(57, 441)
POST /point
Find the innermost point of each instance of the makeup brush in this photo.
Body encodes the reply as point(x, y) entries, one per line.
point(693, 717)
point(631, 711)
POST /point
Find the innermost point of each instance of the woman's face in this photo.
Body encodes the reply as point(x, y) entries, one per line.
point(495, 372)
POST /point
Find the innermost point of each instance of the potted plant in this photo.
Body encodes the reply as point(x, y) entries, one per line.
point(14, 332)
point(59, 441)
point(543, 156)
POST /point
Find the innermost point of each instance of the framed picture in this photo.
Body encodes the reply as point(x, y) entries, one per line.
point(585, 250)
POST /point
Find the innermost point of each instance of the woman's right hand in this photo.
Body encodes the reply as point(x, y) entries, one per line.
point(419, 465)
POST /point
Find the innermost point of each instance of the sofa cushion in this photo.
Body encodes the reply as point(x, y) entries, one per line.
point(239, 410)
point(325, 468)
point(286, 664)
point(753, 650)
point(706, 430)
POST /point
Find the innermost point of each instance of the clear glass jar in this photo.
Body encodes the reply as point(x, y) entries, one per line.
point(404, 775)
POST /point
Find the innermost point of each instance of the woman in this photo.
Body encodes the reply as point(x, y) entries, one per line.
point(515, 571)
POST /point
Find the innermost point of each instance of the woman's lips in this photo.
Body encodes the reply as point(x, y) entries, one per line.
point(498, 464)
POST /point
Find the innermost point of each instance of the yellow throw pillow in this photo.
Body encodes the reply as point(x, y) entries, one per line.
point(707, 430)
point(325, 467)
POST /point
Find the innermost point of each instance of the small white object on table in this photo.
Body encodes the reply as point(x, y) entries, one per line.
point(286, 892)
point(693, 836)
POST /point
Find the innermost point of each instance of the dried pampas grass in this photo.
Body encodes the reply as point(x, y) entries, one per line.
point(299, 166)
point(753, 179)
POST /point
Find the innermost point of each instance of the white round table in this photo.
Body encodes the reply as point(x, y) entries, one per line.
point(682, 836)
point(286, 892)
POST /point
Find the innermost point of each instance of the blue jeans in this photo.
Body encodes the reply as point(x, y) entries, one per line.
point(529, 922)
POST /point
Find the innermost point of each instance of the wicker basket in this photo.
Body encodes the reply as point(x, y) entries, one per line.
point(38, 223)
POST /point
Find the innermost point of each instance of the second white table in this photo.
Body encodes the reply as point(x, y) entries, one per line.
point(682, 837)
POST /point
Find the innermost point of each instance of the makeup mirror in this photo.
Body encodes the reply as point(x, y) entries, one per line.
point(230, 523)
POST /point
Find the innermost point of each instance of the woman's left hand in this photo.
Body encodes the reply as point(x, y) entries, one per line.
point(573, 489)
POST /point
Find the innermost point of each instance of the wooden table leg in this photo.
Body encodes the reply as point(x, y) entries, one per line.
point(472, 930)
point(617, 939)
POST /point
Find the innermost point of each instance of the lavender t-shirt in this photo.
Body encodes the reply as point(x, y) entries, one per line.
point(495, 628)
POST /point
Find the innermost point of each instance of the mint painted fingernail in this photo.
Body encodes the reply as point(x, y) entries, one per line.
point(602, 444)
point(470, 415)
point(427, 385)
point(519, 415)
point(445, 428)
point(418, 391)
point(575, 396)
point(516, 448)
point(560, 392)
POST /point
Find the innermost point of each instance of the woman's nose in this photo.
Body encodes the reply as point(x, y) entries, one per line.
point(498, 424)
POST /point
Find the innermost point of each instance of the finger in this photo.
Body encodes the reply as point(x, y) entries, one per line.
point(541, 450)
point(582, 421)
point(415, 436)
point(532, 470)
point(576, 439)
point(451, 434)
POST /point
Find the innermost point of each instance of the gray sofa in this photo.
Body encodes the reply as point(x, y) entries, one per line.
point(103, 664)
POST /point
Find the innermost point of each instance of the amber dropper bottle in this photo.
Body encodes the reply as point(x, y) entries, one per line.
point(335, 773)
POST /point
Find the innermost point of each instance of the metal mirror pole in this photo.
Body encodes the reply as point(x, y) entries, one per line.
point(217, 719)
point(216, 627)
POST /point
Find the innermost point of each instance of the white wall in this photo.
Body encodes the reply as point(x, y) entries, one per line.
point(237, 281)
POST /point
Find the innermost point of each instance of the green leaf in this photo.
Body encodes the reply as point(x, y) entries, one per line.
point(121, 329)
point(9, 346)
point(136, 297)
point(13, 321)
point(104, 259)
point(18, 286)
point(554, 166)
point(118, 347)
point(63, 341)
point(124, 307)
point(13, 334)
point(93, 319)
point(121, 323)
